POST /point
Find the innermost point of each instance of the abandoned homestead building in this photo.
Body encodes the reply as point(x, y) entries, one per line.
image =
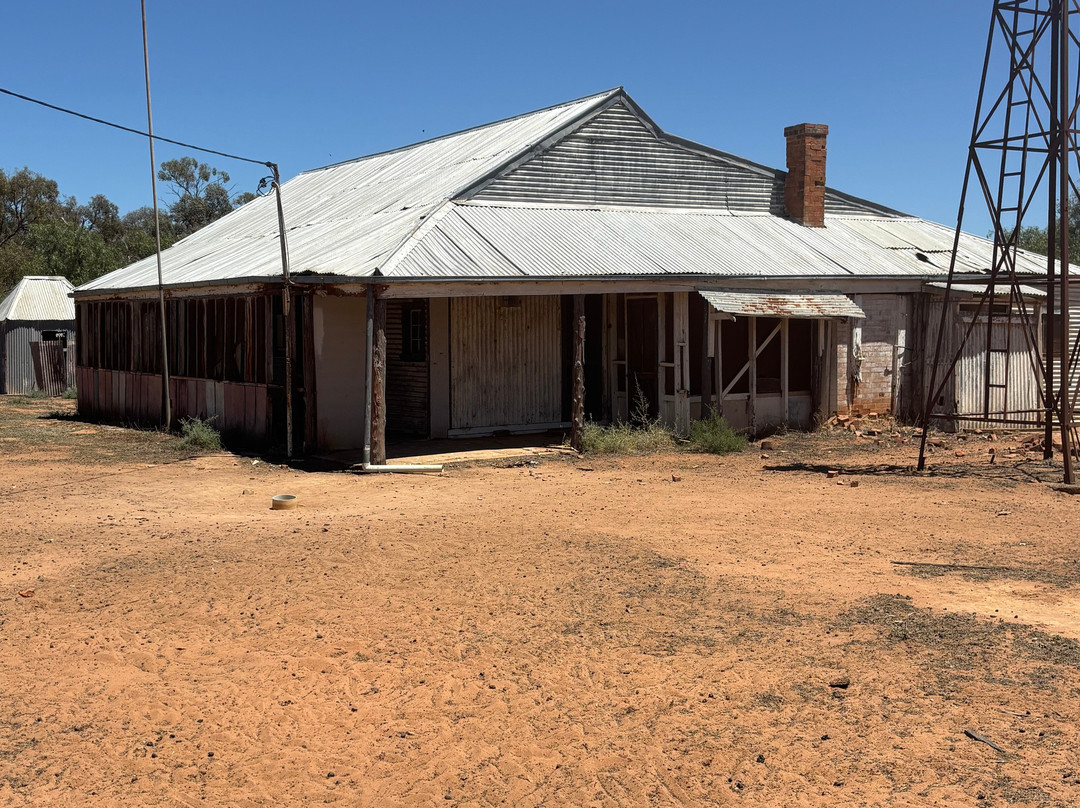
point(704, 280)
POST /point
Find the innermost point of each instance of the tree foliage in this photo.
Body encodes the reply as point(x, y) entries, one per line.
point(1034, 238)
point(25, 198)
point(44, 233)
point(200, 194)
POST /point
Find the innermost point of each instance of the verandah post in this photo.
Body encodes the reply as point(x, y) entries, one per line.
point(706, 377)
point(378, 384)
point(577, 406)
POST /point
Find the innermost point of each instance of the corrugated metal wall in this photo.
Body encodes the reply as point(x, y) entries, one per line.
point(965, 392)
point(947, 401)
point(505, 361)
point(1074, 374)
point(19, 373)
point(615, 160)
point(1012, 368)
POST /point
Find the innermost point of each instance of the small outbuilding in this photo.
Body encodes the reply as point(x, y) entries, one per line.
point(37, 336)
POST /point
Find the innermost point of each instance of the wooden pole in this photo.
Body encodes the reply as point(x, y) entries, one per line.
point(706, 377)
point(751, 413)
point(378, 384)
point(166, 395)
point(785, 366)
point(369, 360)
point(577, 405)
point(287, 311)
point(718, 370)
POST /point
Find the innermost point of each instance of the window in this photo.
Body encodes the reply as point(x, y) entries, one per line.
point(414, 333)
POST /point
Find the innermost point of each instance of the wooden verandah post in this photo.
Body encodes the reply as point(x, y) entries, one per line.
point(706, 376)
point(378, 382)
point(577, 404)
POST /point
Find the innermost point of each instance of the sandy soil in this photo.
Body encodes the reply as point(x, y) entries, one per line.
point(673, 630)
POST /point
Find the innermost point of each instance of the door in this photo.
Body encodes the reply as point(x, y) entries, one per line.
point(642, 356)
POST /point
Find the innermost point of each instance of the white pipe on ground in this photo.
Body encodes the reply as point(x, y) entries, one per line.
point(368, 468)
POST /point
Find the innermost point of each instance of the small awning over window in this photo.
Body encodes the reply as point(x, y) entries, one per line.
point(1002, 289)
point(805, 305)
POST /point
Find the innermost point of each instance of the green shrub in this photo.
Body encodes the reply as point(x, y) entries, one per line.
point(70, 394)
point(714, 434)
point(197, 434)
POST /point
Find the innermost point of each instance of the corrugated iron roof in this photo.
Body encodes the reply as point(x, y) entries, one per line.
point(1002, 289)
point(787, 304)
point(393, 215)
point(39, 298)
point(472, 240)
point(346, 219)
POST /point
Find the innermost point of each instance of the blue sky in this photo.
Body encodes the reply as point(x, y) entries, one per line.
point(307, 84)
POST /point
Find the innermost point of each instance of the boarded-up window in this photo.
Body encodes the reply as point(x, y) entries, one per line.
point(414, 332)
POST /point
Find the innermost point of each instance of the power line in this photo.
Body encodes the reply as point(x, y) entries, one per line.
point(133, 131)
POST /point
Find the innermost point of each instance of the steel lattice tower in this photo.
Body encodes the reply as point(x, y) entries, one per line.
point(1023, 162)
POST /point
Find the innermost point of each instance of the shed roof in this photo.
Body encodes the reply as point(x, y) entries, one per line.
point(39, 298)
point(410, 214)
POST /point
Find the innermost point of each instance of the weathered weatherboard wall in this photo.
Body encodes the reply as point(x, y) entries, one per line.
point(226, 362)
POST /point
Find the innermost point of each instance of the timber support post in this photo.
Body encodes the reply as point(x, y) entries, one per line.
point(378, 384)
point(706, 376)
point(577, 404)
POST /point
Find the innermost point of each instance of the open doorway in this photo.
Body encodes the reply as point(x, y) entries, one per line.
point(642, 355)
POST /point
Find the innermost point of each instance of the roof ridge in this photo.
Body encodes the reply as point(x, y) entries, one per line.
point(584, 98)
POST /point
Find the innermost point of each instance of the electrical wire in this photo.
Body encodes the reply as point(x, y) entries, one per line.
point(123, 128)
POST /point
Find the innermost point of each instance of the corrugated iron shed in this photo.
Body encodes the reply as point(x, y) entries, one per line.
point(773, 304)
point(39, 298)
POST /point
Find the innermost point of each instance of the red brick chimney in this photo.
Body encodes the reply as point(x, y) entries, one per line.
point(804, 191)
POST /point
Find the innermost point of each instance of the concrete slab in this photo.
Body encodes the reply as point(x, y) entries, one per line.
point(460, 451)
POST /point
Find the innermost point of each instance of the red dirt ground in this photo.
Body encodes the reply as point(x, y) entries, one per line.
point(667, 630)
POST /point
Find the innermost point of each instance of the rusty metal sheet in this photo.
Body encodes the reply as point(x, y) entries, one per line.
point(808, 305)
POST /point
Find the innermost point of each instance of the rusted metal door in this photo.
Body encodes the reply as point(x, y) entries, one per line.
point(50, 366)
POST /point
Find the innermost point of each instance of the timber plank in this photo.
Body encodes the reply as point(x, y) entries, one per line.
point(249, 409)
point(261, 428)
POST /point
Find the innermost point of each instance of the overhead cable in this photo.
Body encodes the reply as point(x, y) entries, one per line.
point(131, 130)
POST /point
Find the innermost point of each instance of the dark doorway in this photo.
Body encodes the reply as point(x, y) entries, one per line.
point(594, 358)
point(642, 357)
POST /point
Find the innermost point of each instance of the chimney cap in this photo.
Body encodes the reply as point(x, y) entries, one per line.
point(807, 130)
